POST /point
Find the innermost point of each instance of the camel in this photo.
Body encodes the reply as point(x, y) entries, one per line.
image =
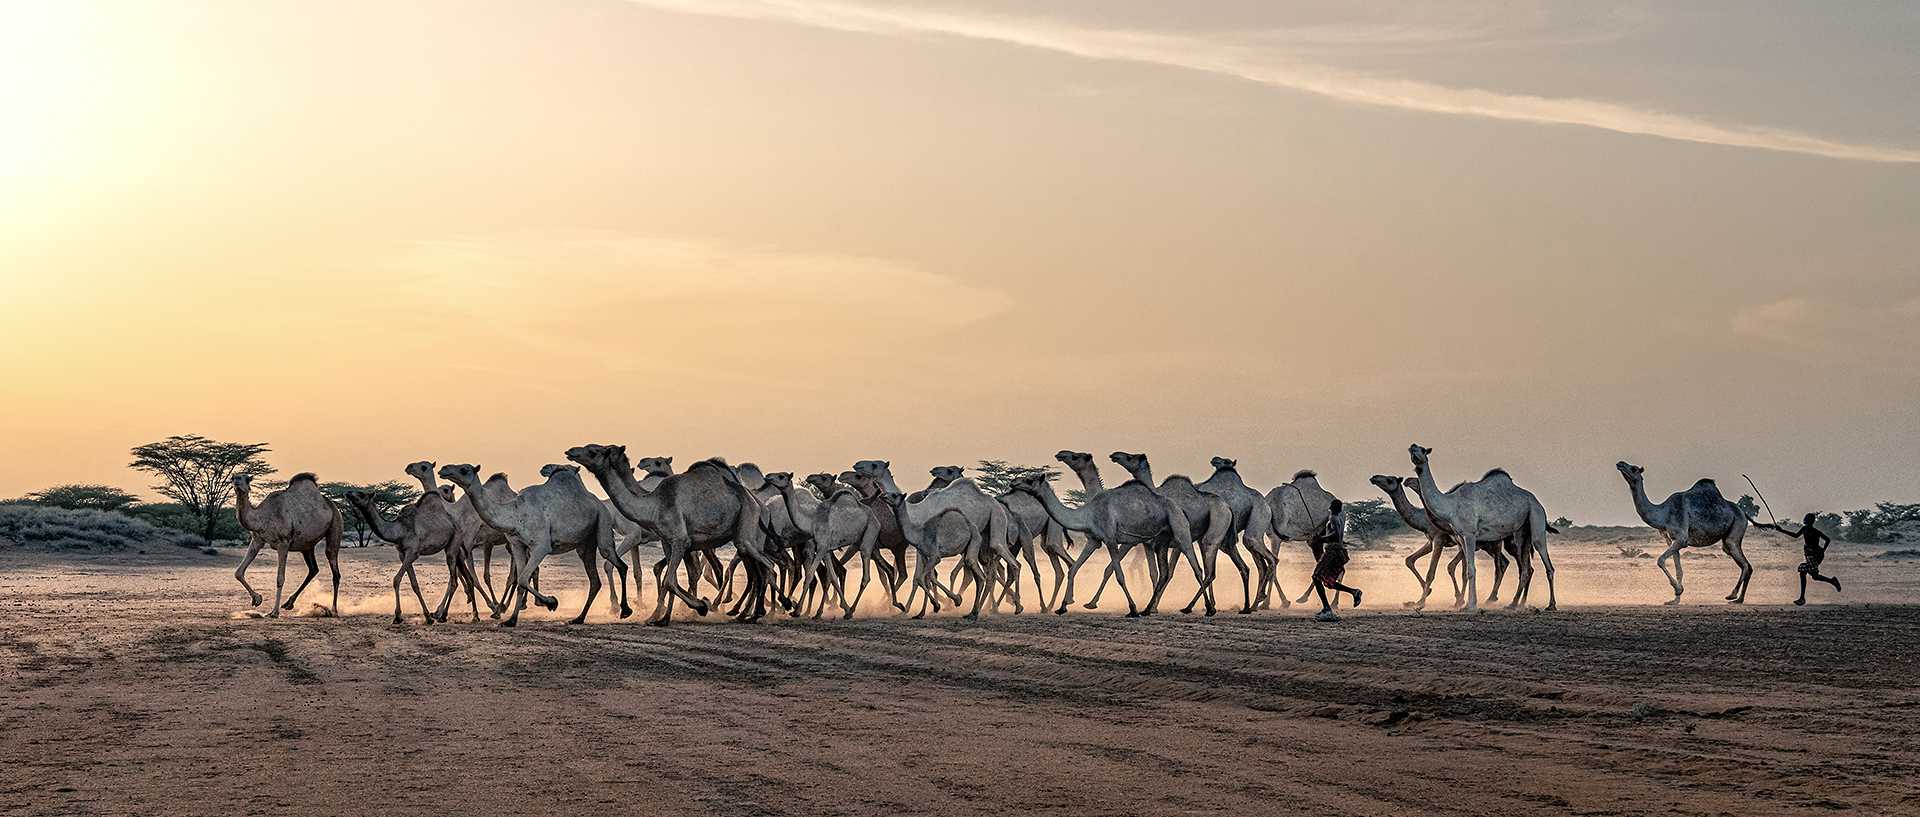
point(1121, 517)
point(701, 509)
point(1416, 517)
point(786, 542)
point(553, 517)
point(471, 531)
point(892, 539)
point(1207, 514)
point(987, 516)
point(1252, 520)
point(943, 476)
point(626, 537)
point(1697, 517)
point(423, 528)
point(1036, 530)
point(1299, 511)
point(1488, 510)
point(935, 535)
point(293, 519)
point(880, 470)
point(838, 523)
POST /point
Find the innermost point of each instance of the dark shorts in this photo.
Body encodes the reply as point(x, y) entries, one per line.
point(1332, 566)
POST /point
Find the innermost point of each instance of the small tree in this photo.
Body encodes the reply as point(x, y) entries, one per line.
point(388, 497)
point(1370, 520)
point(1563, 523)
point(198, 473)
point(1748, 508)
point(84, 497)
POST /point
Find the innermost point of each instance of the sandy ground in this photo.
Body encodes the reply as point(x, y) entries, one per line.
point(135, 684)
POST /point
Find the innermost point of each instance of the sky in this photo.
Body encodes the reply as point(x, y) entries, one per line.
point(1543, 236)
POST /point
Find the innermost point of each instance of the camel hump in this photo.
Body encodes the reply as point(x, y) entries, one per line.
point(1706, 486)
point(1178, 479)
point(1497, 472)
point(304, 475)
point(1305, 473)
point(719, 465)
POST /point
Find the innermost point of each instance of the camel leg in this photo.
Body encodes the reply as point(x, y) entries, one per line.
point(1412, 562)
point(1546, 563)
point(1166, 574)
point(406, 561)
point(1459, 592)
point(537, 551)
point(1731, 545)
point(1246, 576)
point(588, 555)
point(869, 543)
point(1674, 576)
point(313, 569)
point(1500, 572)
point(1114, 554)
point(670, 579)
point(413, 577)
point(462, 574)
point(1067, 597)
point(253, 549)
point(1469, 575)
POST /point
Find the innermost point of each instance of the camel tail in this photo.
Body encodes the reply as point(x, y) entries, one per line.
point(1552, 529)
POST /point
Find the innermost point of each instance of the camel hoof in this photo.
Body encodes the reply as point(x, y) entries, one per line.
point(257, 598)
point(921, 616)
point(509, 623)
point(1090, 606)
point(1552, 607)
point(849, 615)
point(1247, 611)
point(1060, 612)
point(1133, 614)
point(1210, 611)
point(288, 605)
point(971, 617)
point(702, 607)
point(658, 622)
point(1675, 601)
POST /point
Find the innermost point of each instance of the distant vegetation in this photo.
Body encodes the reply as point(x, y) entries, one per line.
point(66, 529)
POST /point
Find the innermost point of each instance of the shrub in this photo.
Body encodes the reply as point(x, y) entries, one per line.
point(65, 529)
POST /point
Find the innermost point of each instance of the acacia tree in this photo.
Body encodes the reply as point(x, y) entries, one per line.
point(78, 497)
point(198, 473)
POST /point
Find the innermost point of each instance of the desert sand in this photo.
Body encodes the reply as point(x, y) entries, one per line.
point(137, 684)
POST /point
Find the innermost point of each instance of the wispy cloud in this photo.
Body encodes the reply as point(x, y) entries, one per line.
point(1885, 336)
point(1265, 66)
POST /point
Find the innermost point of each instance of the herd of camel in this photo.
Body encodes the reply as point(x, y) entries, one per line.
point(796, 541)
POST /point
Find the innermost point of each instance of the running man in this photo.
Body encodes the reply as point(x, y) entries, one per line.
point(1815, 544)
point(1331, 548)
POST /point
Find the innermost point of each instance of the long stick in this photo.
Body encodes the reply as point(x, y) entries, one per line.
point(1763, 498)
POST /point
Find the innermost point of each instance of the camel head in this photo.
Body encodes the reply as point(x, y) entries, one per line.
point(822, 483)
point(446, 493)
point(894, 498)
point(781, 479)
point(1029, 483)
point(421, 469)
point(866, 484)
point(596, 458)
point(1385, 483)
point(1224, 464)
point(1633, 473)
point(947, 472)
point(874, 468)
point(1074, 459)
point(1419, 454)
point(360, 499)
point(1129, 461)
point(656, 466)
point(1411, 484)
point(547, 471)
point(243, 482)
point(464, 475)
